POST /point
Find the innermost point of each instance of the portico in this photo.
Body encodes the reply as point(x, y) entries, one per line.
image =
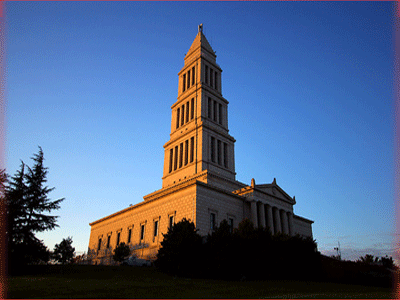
point(270, 207)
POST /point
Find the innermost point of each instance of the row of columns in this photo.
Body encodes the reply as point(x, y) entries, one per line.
point(215, 111)
point(278, 220)
point(182, 113)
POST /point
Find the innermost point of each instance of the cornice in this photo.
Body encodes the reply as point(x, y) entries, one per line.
point(116, 213)
point(213, 92)
point(152, 197)
point(190, 93)
point(249, 189)
point(214, 128)
point(194, 51)
point(302, 219)
point(212, 174)
point(212, 187)
point(202, 123)
point(187, 132)
point(214, 63)
point(188, 64)
point(171, 189)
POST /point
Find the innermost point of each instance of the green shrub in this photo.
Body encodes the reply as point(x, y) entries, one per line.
point(180, 251)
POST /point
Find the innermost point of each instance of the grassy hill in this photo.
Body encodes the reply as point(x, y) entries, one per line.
point(78, 281)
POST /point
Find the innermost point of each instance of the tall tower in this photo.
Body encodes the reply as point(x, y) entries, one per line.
point(199, 138)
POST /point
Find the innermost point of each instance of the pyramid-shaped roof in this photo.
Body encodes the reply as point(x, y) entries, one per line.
point(200, 41)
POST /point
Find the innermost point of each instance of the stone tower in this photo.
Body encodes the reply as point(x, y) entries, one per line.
point(199, 138)
point(199, 175)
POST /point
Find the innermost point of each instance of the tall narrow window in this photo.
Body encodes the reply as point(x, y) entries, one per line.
point(176, 158)
point(209, 108)
point(99, 244)
point(180, 154)
point(215, 111)
point(178, 114)
point(171, 221)
point(142, 232)
point(220, 114)
point(129, 235)
point(216, 81)
point(155, 228)
point(191, 149)
point(219, 152)
point(183, 114)
point(171, 157)
point(192, 109)
point(184, 83)
point(206, 74)
point(186, 152)
point(187, 111)
point(211, 77)
point(212, 221)
point(108, 241)
point(225, 155)
point(193, 78)
point(118, 237)
point(212, 149)
point(188, 79)
point(230, 223)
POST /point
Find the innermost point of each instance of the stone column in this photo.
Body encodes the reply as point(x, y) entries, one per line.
point(217, 109)
point(270, 219)
point(187, 112)
point(291, 232)
point(261, 211)
point(285, 224)
point(277, 220)
point(254, 218)
point(211, 108)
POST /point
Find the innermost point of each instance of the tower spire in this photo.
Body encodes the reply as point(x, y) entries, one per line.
point(199, 138)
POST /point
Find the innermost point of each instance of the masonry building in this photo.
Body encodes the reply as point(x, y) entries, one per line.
point(198, 180)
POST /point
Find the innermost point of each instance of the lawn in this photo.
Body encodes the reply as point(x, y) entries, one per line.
point(135, 282)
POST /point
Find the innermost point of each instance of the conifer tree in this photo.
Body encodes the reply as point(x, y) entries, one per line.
point(16, 201)
point(180, 249)
point(64, 252)
point(121, 252)
point(37, 198)
point(27, 202)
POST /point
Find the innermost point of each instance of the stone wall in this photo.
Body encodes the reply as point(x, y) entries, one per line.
point(224, 205)
point(179, 204)
point(302, 226)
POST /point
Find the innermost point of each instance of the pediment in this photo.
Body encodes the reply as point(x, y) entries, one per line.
point(276, 191)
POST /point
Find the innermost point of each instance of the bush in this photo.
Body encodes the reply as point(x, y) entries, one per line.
point(64, 252)
point(121, 252)
point(180, 251)
point(247, 252)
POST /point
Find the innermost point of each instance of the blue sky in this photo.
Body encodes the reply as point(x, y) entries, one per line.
point(310, 86)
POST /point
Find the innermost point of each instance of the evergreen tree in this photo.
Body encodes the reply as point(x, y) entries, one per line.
point(15, 195)
point(27, 201)
point(219, 252)
point(387, 262)
point(121, 252)
point(180, 251)
point(64, 252)
point(37, 198)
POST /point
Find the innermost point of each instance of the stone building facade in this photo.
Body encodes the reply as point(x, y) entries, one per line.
point(198, 180)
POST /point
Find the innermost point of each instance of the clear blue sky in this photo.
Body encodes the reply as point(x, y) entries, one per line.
point(310, 86)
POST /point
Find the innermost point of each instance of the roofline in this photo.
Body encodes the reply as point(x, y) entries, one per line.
point(166, 191)
point(257, 189)
point(303, 219)
point(156, 195)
